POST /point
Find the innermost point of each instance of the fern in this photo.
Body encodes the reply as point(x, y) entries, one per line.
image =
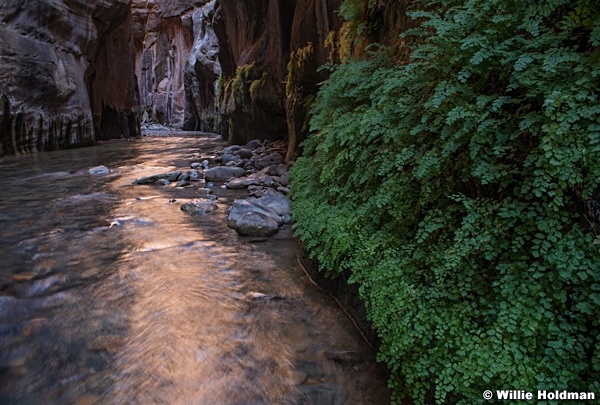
point(454, 188)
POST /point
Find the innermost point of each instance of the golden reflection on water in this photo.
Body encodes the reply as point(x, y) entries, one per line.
point(149, 305)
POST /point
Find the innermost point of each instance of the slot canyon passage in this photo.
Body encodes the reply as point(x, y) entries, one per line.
point(109, 292)
point(299, 201)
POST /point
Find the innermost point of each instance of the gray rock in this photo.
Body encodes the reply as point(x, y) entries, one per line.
point(196, 165)
point(253, 144)
point(204, 191)
point(171, 176)
point(283, 190)
point(274, 201)
point(99, 170)
point(281, 170)
point(284, 179)
point(242, 182)
point(241, 207)
point(270, 170)
point(287, 219)
point(195, 175)
point(147, 179)
point(183, 176)
point(182, 183)
point(201, 206)
point(244, 153)
point(254, 179)
point(225, 159)
point(162, 182)
point(256, 224)
point(223, 173)
point(231, 149)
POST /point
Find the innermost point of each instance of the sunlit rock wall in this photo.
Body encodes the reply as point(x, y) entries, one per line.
point(59, 85)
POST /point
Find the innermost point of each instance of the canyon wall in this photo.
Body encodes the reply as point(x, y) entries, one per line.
point(73, 72)
point(224, 65)
point(269, 52)
point(177, 61)
point(66, 74)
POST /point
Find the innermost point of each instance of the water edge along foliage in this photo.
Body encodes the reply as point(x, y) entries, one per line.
point(456, 190)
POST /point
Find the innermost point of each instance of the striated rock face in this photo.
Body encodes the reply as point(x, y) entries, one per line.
point(260, 98)
point(177, 61)
point(246, 69)
point(66, 74)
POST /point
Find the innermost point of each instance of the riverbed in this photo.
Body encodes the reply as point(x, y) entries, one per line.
point(109, 293)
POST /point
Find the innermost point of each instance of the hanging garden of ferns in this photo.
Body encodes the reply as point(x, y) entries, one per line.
point(459, 187)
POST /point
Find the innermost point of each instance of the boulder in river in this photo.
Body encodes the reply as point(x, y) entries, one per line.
point(223, 173)
point(273, 201)
point(241, 207)
point(256, 224)
point(199, 206)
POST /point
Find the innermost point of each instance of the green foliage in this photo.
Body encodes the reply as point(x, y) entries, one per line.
point(454, 190)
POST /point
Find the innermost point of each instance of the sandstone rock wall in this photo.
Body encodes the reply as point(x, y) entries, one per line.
point(59, 85)
point(176, 61)
point(259, 97)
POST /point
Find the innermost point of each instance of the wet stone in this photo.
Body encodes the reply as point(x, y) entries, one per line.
point(223, 173)
point(241, 207)
point(253, 144)
point(199, 207)
point(204, 191)
point(256, 224)
point(99, 170)
point(162, 182)
point(225, 159)
point(244, 153)
point(274, 201)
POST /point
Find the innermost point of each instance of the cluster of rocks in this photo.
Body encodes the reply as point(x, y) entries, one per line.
point(263, 164)
point(257, 166)
point(266, 177)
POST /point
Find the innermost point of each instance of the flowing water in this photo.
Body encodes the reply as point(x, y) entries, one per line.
point(110, 294)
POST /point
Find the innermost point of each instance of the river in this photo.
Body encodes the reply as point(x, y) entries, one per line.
point(110, 294)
